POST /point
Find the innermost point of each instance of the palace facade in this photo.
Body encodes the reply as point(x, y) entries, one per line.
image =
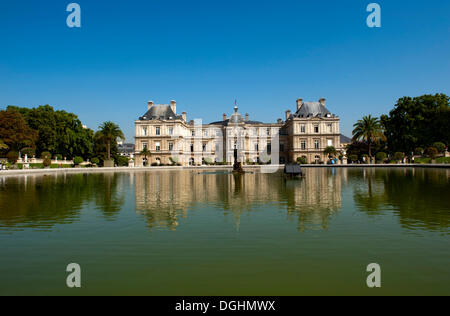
point(171, 138)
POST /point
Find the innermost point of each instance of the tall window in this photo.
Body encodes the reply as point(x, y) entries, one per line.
point(144, 145)
point(204, 147)
point(193, 133)
point(267, 131)
point(302, 128)
point(281, 147)
point(192, 148)
point(303, 144)
point(205, 133)
point(330, 128)
point(158, 146)
point(269, 148)
point(329, 142)
point(316, 129)
point(217, 147)
point(218, 132)
point(171, 131)
point(170, 146)
point(144, 131)
point(158, 130)
point(256, 147)
point(316, 144)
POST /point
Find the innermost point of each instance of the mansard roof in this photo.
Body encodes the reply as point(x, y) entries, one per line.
point(312, 109)
point(160, 112)
point(345, 139)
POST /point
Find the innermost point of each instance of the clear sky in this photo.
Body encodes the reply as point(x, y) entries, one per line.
point(206, 54)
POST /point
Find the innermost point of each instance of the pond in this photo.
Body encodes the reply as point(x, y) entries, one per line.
point(213, 233)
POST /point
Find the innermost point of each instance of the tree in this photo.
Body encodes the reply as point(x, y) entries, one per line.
point(301, 160)
point(14, 131)
point(77, 160)
point(439, 146)
point(417, 122)
point(381, 156)
point(110, 132)
point(368, 130)
point(431, 152)
point(330, 151)
point(398, 156)
point(58, 131)
point(145, 152)
point(13, 156)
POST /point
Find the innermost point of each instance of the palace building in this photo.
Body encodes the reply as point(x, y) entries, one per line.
point(171, 138)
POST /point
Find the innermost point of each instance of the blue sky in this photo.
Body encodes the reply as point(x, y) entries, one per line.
point(206, 54)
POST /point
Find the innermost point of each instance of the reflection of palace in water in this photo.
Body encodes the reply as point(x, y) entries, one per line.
point(165, 197)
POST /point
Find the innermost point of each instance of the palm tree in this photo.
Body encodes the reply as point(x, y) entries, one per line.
point(110, 132)
point(145, 152)
point(368, 130)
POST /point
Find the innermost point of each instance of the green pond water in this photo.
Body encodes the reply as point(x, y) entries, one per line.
point(188, 233)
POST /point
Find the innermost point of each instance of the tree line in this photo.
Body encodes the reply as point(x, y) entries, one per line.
point(47, 133)
point(416, 126)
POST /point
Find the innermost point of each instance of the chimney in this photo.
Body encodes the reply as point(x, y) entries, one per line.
point(224, 117)
point(246, 117)
point(322, 101)
point(173, 106)
point(288, 113)
point(299, 103)
point(150, 104)
point(184, 116)
point(280, 121)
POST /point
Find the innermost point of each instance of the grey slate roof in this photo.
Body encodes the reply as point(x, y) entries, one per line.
point(160, 112)
point(345, 139)
point(312, 109)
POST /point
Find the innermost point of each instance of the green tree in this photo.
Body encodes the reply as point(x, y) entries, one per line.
point(368, 130)
point(417, 122)
point(381, 156)
point(431, 152)
point(58, 131)
point(110, 132)
point(330, 151)
point(439, 146)
point(13, 156)
point(77, 160)
point(14, 131)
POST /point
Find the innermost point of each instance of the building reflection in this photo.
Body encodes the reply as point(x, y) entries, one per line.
point(164, 198)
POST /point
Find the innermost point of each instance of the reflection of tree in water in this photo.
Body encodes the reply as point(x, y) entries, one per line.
point(43, 201)
point(417, 196)
point(164, 197)
point(109, 196)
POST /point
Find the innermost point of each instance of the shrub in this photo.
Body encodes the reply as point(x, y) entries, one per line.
point(439, 146)
point(431, 152)
point(398, 156)
point(95, 161)
point(122, 161)
point(47, 162)
point(45, 155)
point(154, 164)
point(353, 158)
point(12, 156)
point(301, 160)
point(381, 156)
point(419, 151)
point(30, 152)
point(77, 160)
